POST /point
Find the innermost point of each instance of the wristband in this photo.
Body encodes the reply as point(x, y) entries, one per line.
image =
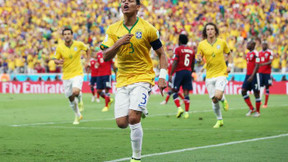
point(230, 65)
point(163, 73)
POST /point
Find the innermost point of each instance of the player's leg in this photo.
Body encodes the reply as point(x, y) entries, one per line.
point(221, 83)
point(77, 87)
point(139, 95)
point(106, 80)
point(121, 107)
point(246, 86)
point(69, 94)
point(256, 90)
point(92, 83)
point(210, 84)
point(268, 83)
point(176, 80)
point(187, 86)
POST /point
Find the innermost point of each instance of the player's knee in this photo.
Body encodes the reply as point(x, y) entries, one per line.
point(76, 92)
point(122, 124)
point(214, 100)
point(133, 119)
point(244, 92)
point(175, 95)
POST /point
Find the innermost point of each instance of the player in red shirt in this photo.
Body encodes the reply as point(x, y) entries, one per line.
point(170, 62)
point(183, 65)
point(251, 82)
point(104, 79)
point(266, 57)
point(93, 68)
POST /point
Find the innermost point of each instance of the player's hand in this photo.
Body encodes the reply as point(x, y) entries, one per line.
point(250, 79)
point(59, 62)
point(162, 85)
point(199, 57)
point(125, 39)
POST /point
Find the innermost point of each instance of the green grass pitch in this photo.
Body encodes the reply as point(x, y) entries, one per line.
point(39, 128)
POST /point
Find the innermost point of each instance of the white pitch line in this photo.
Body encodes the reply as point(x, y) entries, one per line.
point(203, 147)
point(109, 119)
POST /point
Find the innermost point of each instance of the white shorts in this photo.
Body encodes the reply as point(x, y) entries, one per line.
point(134, 96)
point(218, 83)
point(69, 84)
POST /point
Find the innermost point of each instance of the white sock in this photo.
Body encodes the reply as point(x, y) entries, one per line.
point(217, 110)
point(136, 136)
point(74, 106)
point(79, 97)
point(223, 98)
point(261, 92)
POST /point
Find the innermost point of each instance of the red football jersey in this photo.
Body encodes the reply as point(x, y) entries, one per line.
point(94, 67)
point(170, 62)
point(265, 56)
point(252, 59)
point(104, 67)
point(185, 57)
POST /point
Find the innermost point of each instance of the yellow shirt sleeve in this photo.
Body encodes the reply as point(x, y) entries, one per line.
point(109, 40)
point(153, 34)
point(83, 46)
point(226, 48)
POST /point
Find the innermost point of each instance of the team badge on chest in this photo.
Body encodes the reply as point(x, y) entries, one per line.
point(138, 34)
point(218, 47)
point(75, 49)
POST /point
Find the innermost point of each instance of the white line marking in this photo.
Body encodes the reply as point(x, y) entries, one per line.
point(203, 147)
point(109, 119)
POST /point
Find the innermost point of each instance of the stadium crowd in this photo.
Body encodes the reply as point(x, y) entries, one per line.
point(31, 29)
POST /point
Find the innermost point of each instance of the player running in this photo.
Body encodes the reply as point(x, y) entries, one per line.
point(251, 81)
point(169, 93)
point(266, 57)
point(183, 65)
point(104, 79)
point(131, 40)
point(215, 50)
point(93, 69)
point(68, 54)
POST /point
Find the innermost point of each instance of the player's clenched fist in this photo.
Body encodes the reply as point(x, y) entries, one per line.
point(125, 39)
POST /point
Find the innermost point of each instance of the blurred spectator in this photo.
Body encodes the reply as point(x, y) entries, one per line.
point(4, 77)
point(239, 63)
point(276, 63)
point(39, 68)
point(32, 35)
point(52, 66)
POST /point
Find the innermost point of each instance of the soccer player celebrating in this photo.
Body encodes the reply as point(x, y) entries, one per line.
point(131, 40)
point(68, 54)
point(251, 82)
point(93, 68)
point(170, 62)
point(266, 57)
point(104, 79)
point(214, 50)
point(183, 65)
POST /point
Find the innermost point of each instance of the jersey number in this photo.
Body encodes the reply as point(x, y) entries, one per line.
point(132, 48)
point(187, 61)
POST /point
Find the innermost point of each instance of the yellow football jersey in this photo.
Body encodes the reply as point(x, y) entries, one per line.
point(72, 58)
point(214, 56)
point(133, 60)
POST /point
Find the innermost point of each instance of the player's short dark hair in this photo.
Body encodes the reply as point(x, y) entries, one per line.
point(138, 2)
point(183, 39)
point(204, 32)
point(65, 29)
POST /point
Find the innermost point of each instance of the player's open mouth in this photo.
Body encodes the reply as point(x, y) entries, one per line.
point(126, 7)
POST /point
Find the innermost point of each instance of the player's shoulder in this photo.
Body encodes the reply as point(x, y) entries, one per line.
point(146, 24)
point(115, 26)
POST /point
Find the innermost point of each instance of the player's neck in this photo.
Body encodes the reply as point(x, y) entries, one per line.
point(211, 40)
point(68, 44)
point(129, 21)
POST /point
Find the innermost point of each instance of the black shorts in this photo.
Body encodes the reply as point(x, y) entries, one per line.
point(182, 78)
point(265, 79)
point(104, 82)
point(254, 85)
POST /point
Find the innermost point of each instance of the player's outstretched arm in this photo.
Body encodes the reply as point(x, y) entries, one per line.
point(163, 69)
point(110, 53)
